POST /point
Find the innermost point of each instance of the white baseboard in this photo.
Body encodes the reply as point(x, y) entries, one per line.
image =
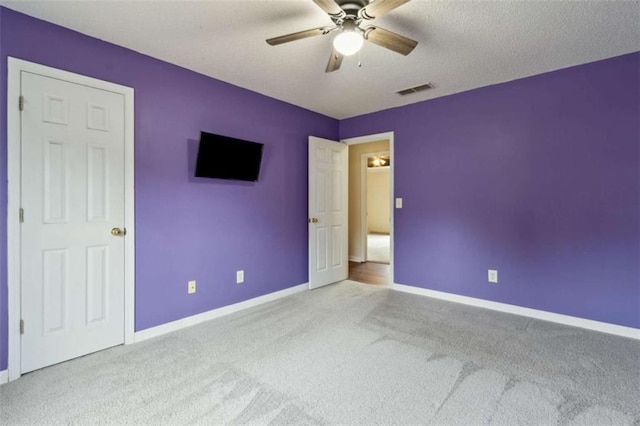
point(618, 330)
point(4, 376)
point(159, 330)
point(358, 259)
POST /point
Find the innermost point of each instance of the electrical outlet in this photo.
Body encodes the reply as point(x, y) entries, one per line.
point(239, 277)
point(493, 276)
point(191, 287)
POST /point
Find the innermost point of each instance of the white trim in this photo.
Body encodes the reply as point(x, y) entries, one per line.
point(369, 138)
point(356, 259)
point(15, 68)
point(374, 138)
point(603, 327)
point(216, 313)
point(4, 376)
point(13, 224)
point(129, 217)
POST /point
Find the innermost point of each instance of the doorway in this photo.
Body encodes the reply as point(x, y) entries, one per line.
point(370, 209)
point(377, 224)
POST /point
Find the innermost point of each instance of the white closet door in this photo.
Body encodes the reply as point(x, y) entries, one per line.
point(73, 199)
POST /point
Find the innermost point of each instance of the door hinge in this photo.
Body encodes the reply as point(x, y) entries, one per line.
point(21, 215)
point(21, 103)
point(21, 326)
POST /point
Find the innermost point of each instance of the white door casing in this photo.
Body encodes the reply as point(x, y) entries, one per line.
point(71, 280)
point(375, 138)
point(328, 212)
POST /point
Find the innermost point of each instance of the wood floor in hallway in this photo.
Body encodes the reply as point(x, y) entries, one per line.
point(370, 273)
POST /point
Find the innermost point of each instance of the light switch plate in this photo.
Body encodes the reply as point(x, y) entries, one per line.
point(398, 203)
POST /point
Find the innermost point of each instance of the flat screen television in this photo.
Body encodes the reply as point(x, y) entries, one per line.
point(223, 157)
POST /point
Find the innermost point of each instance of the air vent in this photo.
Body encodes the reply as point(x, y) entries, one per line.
point(416, 89)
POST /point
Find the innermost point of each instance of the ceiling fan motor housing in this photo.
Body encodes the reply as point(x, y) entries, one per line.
point(350, 24)
point(351, 7)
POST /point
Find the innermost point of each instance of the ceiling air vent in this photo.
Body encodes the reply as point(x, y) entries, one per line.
point(416, 89)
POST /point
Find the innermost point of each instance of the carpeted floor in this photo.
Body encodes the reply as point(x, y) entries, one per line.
point(378, 248)
point(345, 354)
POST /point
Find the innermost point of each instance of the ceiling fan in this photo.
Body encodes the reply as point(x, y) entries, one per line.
point(348, 17)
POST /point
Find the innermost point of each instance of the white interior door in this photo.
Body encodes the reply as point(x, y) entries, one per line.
point(72, 195)
point(328, 215)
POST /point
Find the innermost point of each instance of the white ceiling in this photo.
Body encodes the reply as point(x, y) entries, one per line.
point(462, 44)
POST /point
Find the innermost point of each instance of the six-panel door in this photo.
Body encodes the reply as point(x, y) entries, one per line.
point(327, 212)
point(73, 196)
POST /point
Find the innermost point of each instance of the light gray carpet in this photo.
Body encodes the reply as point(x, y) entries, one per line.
point(378, 248)
point(345, 354)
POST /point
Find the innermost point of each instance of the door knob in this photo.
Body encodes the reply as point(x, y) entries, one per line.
point(313, 220)
point(117, 232)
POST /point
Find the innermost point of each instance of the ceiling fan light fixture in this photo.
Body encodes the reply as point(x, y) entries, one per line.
point(347, 17)
point(348, 42)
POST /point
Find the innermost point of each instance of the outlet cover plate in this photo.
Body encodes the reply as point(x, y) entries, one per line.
point(239, 277)
point(191, 287)
point(493, 276)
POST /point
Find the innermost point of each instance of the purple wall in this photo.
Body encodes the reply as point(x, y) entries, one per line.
point(188, 228)
point(538, 178)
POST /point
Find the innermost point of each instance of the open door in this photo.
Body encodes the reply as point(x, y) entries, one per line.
point(328, 214)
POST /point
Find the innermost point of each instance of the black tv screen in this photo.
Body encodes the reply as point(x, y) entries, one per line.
point(223, 157)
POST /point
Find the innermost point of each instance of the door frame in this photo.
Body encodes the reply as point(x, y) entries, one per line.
point(374, 138)
point(14, 173)
point(364, 199)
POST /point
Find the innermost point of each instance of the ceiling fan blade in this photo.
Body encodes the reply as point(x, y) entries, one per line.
point(331, 7)
point(379, 7)
point(335, 60)
point(389, 40)
point(297, 36)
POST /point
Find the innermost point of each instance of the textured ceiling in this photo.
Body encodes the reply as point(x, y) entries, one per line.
point(462, 44)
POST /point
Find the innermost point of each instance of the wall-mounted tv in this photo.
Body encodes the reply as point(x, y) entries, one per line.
point(223, 157)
